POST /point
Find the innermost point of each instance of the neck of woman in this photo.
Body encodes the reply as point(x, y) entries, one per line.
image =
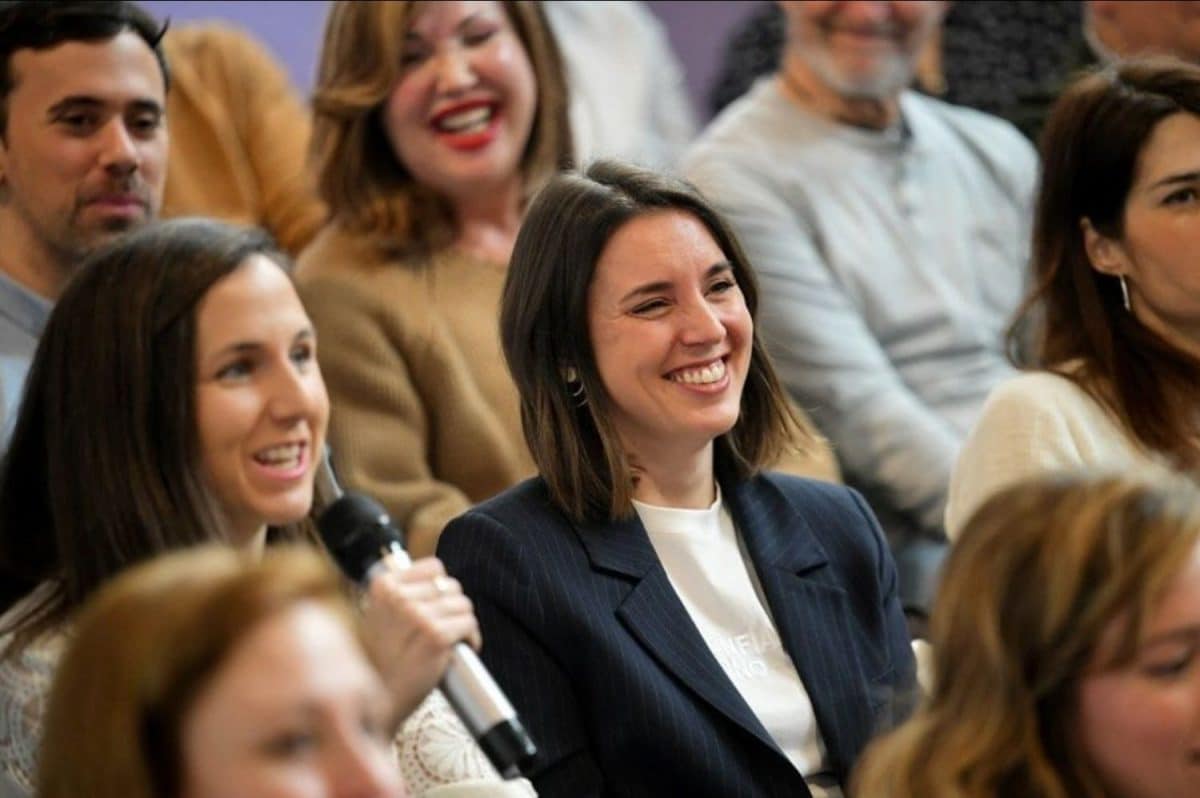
point(252, 541)
point(681, 479)
point(487, 223)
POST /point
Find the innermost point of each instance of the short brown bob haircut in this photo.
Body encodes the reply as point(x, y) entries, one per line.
point(1090, 151)
point(544, 331)
point(144, 649)
point(359, 175)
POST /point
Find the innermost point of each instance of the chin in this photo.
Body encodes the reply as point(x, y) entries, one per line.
point(291, 512)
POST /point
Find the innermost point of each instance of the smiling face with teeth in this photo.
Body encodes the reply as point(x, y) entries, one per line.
point(461, 113)
point(671, 335)
point(261, 406)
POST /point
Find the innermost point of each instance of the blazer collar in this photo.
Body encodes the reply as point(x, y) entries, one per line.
point(809, 607)
point(812, 612)
point(623, 546)
point(655, 617)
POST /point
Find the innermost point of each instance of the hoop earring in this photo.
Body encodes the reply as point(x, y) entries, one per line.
point(575, 386)
point(1124, 293)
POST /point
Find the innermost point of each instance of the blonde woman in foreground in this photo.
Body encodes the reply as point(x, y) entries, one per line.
point(1066, 640)
point(211, 672)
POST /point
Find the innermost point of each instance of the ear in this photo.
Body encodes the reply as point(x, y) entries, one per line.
point(1106, 254)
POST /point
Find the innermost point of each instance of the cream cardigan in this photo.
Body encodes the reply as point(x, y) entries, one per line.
point(1035, 423)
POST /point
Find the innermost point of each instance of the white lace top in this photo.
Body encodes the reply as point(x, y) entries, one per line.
point(24, 685)
point(436, 750)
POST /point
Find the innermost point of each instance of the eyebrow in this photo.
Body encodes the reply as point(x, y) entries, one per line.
point(1182, 177)
point(77, 101)
point(663, 285)
point(462, 23)
point(1185, 634)
point(243, 347)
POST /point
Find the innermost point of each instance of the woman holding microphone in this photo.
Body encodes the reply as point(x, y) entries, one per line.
point(175, 400)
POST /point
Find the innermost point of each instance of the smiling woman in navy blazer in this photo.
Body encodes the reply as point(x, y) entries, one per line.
point(667, 619)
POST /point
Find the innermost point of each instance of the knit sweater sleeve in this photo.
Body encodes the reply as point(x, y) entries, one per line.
point(1029, 425)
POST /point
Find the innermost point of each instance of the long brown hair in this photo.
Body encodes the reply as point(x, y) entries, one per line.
point(1090, 150)
point(104, 465)
point(144, 649)
point(544, 330)
point(358, 174)
point(1028, 592)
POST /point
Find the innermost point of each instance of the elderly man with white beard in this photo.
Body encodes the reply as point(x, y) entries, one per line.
point(889, 231)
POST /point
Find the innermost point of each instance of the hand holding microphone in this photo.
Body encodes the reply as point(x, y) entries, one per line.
point(362, 540)
point(420, 613)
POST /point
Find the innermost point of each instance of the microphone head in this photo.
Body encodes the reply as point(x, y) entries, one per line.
point(357, 531)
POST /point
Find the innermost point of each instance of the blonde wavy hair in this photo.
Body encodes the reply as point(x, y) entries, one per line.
point(143, 649)
point(1041, 571)
point(358, 174)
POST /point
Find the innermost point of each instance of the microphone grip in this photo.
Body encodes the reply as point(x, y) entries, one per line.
point(474, 695)
point(486, 712)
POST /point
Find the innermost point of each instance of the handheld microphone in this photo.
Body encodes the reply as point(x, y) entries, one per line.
point(360, 536)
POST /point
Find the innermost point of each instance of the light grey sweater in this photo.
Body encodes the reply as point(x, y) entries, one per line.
point(889, 263)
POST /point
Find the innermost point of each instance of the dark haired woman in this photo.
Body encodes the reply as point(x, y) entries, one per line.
point(175, 400)
point(1116, 291)
point(670, 620)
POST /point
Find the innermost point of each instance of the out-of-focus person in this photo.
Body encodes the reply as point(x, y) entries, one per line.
point(83, 151)
point(1117, 29)
point(175, 399)
point(1066, 644)
point(434, 124)
point(628, 96)
point(1112, 378)
point(1108, 31)
point(670, 619)
point(207, 674)
point(239, 136)
point(889, 231)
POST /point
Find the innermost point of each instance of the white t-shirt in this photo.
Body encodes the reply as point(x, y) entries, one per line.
point(701, 553)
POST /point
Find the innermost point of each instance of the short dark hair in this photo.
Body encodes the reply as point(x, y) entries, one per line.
point(104, 466)
point(1090, 149)
point(544, 329)
point(38, 25)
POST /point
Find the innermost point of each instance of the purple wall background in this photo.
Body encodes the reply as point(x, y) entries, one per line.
point(293, 31)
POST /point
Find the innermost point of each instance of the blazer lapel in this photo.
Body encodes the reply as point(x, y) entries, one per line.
point(810, 610)
point(658, 621)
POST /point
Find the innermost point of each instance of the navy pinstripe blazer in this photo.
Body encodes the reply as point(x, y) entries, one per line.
point(585, 634)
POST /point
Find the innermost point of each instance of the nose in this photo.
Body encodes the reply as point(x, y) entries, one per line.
point(298, 394)
point(454, 70)
point(700, 324)
point(362, 769)
point(119, 154)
